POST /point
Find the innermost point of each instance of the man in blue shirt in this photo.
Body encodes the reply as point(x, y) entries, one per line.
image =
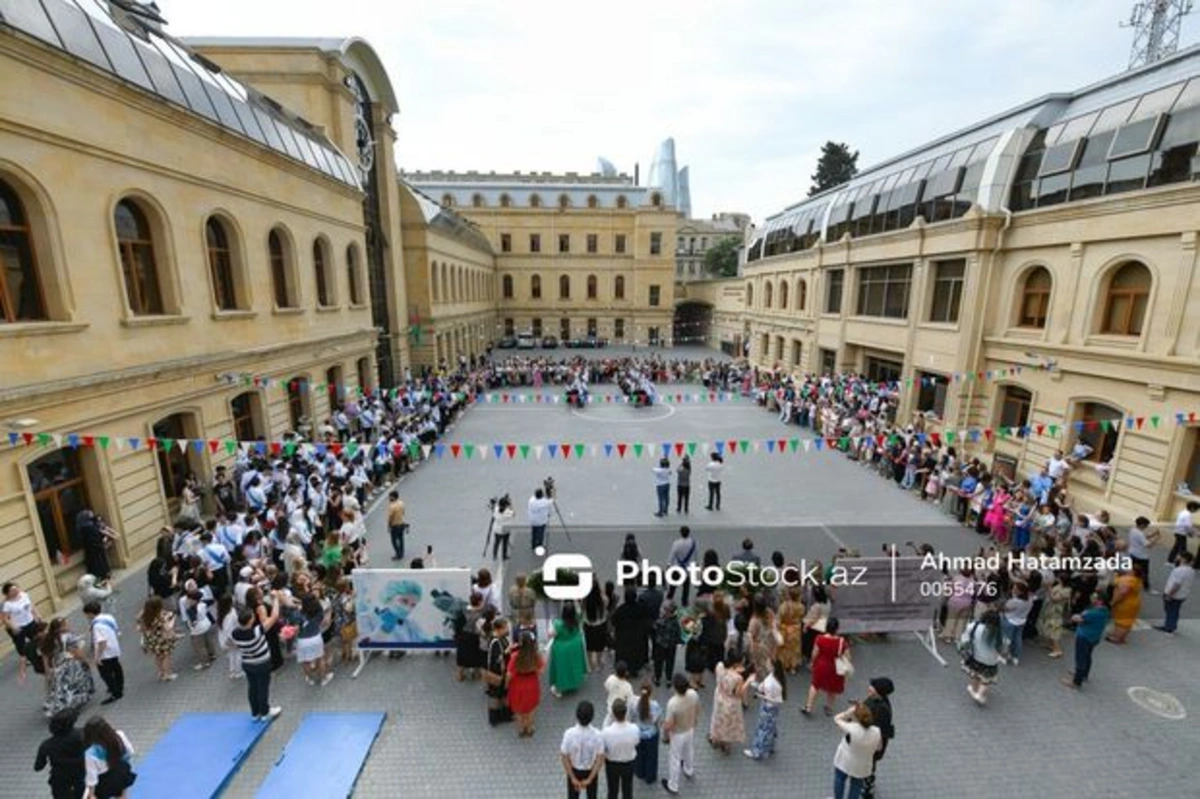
point(1091, 625)
point(965, 489)
point(1040, 484)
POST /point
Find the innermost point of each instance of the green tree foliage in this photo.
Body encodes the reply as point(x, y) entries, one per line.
point(835, 166)
point(721, 260)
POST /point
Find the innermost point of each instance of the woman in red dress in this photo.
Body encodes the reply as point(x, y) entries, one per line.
point(826, 649)
point(525, 667)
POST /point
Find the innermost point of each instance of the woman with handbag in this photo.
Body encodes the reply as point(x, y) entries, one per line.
point(830, 667)
point(524, 671)
point(157, 626)
point(980, 649)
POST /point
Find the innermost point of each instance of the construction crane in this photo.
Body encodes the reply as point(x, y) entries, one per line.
point(1156, 25)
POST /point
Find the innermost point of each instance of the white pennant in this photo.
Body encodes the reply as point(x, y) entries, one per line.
point(807, 444)
point(595, 450)
point(57, 439)
point(483, 452)
point(426, 449)
point(120, 443)
point(537, 451)
point(183, 444)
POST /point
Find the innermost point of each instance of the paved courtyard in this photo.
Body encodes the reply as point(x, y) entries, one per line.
point(1034, 738)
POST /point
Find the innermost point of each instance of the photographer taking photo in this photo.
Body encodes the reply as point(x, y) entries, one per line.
point(539, 509)
point(502, 512)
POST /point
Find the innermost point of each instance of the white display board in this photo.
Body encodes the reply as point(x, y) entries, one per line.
point(408, 608)
point(886, 595)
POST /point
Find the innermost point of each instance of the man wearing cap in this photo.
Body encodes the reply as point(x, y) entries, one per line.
point(881, 712)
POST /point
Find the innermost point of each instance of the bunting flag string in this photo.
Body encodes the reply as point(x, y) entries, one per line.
point(558, 397)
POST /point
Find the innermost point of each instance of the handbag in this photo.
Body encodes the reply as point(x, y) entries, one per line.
point(966, 644)
point(842, 664)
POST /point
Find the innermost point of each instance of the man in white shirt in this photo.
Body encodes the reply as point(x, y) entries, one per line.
point(1057, 466)
point(679, 726)
point(1177, 589)
point(1141, 538)
point(1185, 528)
point(539, 517)
point(106, 651)
point(20, 620)
point(713, 470)
point(620, 750)
point(582, 753)
point(662, 486)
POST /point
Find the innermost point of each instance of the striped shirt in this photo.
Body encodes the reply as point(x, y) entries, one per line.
point(252, 643)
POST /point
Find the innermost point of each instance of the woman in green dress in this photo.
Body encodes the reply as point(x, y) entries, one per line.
point(568, 659)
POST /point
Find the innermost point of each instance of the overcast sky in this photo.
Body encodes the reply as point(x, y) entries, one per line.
point(748, 90)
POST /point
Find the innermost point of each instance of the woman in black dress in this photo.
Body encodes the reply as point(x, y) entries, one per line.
point(595, 626)
point(631, 633)
point(90, 530)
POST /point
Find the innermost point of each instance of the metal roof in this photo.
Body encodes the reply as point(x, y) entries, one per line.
point(136, 50)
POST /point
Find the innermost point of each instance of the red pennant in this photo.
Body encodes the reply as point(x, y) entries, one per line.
point(336, 448)
point(213, 445)
point(276, 448)
point(731, 446)
point(831, 443)
point(566, 450)
point(781, 445)
point(678, 448)
point(987, 433)
point(504, 398)
point(151, 443)
point(678, 398)
point(936, 438)
point(1141, 420)
point(1191, 417)
point(879, 439)
point(621, 450)
point(1091, 425)
point(455, 449)
point(1040, 429)
point(512, 451)
point(89, 441)
point(28, 438)
point(712, 397)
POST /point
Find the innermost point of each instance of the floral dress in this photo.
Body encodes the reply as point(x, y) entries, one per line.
point(762, 643)
point(159, 638)
point(71, 684)
point(727, 726)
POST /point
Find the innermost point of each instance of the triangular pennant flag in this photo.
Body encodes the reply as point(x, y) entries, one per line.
point(230, 446)
point(579, 449)
point(793, 444)
point(469, 449)
point(425, 449)
point(732, 447)
point(770, 445)
point(1141, 420)
point(637, 450)
point(830, 442)
point(198, 445)
point(524, 451)
point(1040, 428)
point(499, 450)
point(808, 442)
point(1053, 430)
point(666, 450)
point(781, 444)
point(289, 449)
point(13, 438)
point(439, 450)
point(511, 449)
point(73, 440)
point(720, 447)
point(818, 443)
point(552, 449)
point(537, 452)
point(621, 449)
point(28, 438)
point(691, 447)
point(455, 449)
point(1106, 425)
point(213, 445)
point(678, 449)
point(608, 448)
point(1154, 422)
point(745, 445)
point(565, 449)
point(483, 453)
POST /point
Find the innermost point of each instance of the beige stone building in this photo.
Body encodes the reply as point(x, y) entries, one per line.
point(577, 256)
point(694, 238)
point(1050, 249)
point(162, 226)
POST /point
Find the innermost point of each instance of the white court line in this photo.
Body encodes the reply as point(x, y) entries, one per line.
point(577, 413)
point(833, 536)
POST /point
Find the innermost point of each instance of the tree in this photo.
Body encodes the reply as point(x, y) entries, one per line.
point(835, 166)
point(721, 260)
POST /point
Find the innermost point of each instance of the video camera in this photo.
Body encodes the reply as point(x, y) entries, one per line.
point(548, 487)
point(505, 499)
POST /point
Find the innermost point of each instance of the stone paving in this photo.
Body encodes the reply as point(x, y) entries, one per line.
point(1035, 737)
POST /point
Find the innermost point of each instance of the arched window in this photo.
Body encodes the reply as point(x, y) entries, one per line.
point(749, 295)
point(1126, 299)
point(783, 295)
point(354, 276)
point(298, 401)
point(621, 201)
point(174, 463)
point(768, 294)
point(220, 264)
point(506, 287)
point(801, 295)
point(592, 201)
point(20, 288)
point(247, 414)
point(1099, 427)
point(477, 200)
point(535, 287)
point(505, 201)
point(434, 284)
point(1035, 298)
point(619, 288)
point(61, 490)
point(143, 287)
point(366, 375)
point(279, 253)
point(564, 202)
point(448, 200)
point(656, 200)
point(535, 201)
point(325, 283)
point(564, 288)
point(592, 290)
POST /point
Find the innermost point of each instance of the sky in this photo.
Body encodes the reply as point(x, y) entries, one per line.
point(748, 90)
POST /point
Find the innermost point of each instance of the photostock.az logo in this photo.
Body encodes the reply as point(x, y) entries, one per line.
point(580, 564)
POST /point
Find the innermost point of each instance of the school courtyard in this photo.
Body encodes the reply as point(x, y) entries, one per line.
point(1035, 736)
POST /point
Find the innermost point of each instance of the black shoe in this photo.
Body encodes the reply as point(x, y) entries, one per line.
point(397, 557)
point(666, 785)
point(108, 700)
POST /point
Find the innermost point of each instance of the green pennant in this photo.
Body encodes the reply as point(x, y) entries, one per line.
point(414, 450)
point(103, 441)
point(950, 436)
point(691, 448)
point(1003, 432)
point(524, 451)
point(352, 449)
point(289, 449)
point(44, 439)
point(166, 444)
point(1106, 425)
point(744, 444)
point(230, 446)
point(469, 449)
point(579, 450)
point(1154, 421)
point(1053, 430)
point(637, 450)
point(892, 439)
point(908, 383)
point(794, 444)
point(844, 442)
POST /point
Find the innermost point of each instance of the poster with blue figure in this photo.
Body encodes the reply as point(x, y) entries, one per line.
point(409, 608)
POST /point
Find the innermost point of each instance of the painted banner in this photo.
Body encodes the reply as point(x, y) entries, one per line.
point(885, 595)
point(408, 608)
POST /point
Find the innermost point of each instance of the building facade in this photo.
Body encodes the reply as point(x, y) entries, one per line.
point(1048, 252)
point(185, 263)
point(576, 256)
point(694, 238)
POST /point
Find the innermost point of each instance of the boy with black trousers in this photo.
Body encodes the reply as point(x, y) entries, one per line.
point(881, 711)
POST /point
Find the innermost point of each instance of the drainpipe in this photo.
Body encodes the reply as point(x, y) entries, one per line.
point(977, 343)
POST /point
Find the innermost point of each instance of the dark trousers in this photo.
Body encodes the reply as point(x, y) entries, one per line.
point(645, 767)
point(664, 499)
point(1171, 613)
point(1030, 631)
point(683, 495)
point(1178, 548)
point(538, 534)
point(593, 790)
point(258, 687)
point(714, 496)
point(687, 587)
point(67, 787)
point(619, 779)
point(1083, 659)
point(1142, 569)
point(500, 542)
point(664, 660)
point(113, 676)
point(397, 533)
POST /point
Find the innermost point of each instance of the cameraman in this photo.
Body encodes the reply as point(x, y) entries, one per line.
point(501, 512)
point(539, 516)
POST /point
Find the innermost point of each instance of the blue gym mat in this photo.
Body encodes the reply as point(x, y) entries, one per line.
point(197, 757)
point(323, 758)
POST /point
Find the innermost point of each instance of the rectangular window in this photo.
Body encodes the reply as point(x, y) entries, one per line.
point(833, 291)
point(593, 243)
point(592, 327)
point(509, 327)
point(948, 279)
point(779, 348)
point(883, 291)
point(931, 395)
point(537, 326)
point(618, 328)
point(619, 244)
point(654, 296)
point(1015, 403)
point(60, 492)
point(764, 346)
point(535, 242)
point(796, 352)
point(654, 336)
point(505, 242)
point(564, 242)
point(883, 370)
point(564, 329)
point(655, 243)
point(828, 362)
point(1101, 429)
